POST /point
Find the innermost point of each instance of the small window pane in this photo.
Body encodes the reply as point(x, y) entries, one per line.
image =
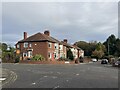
point(25, 45)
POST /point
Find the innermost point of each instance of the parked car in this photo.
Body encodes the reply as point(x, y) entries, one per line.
point(116, 63)
point(94, 59)
point(104, 61)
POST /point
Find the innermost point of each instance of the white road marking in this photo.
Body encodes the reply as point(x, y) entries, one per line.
point(2, 79)
point(56, 87)
point(45, 76)
point(54, 77)
point(33, 83)
point(58, 72)
point(77, 74)
point(67, 80)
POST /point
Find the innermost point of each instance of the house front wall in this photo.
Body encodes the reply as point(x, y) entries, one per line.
point(33, 49)
point(53, 50)
point(63, 51)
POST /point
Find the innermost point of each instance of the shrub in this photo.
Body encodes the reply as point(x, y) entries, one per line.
point(63, 59)
point(38, 57)
point(70, 54)
point(17, 59)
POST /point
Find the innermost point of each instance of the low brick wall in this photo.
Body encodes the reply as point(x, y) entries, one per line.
point(46, 62)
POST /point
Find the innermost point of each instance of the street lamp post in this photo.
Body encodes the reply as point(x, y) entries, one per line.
point(108, 47)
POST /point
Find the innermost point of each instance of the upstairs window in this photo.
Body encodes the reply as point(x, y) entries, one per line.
point(61, 47)
point(56, 46)
point(50, 45)
point(30, 45)
point(18, 45)
point(25, 45)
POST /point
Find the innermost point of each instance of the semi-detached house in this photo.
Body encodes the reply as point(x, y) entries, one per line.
point(45, 45)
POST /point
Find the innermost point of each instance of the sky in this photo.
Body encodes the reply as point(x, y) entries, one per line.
point(75, 21)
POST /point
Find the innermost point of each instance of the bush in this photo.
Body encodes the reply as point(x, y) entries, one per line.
point(70, 55)
point(17, 59)
point(63, 59)
point(38, 57)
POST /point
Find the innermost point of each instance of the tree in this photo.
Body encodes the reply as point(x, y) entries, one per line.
point(87, 47)
point(117, 47)
point(70, 54)
point(8, 55)
point(99, 51)
point(4, 46)
point(110, 45)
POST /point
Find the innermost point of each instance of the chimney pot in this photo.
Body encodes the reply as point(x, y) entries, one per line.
point(65, 40)
point(47, 33)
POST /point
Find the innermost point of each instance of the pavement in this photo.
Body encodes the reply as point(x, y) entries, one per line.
point(7, 76)
point(90, 75)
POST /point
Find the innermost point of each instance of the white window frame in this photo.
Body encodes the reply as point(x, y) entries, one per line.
point(61, 47)
point(18, 45)
point(29, 53)
point(25, 55)
point(56, 45)
point(30, 44)
point(50, 45)
point(25, 44)
point(49, 55)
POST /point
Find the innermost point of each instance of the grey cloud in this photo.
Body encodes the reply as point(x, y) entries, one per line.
point(74, 21)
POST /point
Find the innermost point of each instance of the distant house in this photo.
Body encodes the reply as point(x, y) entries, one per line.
point(49, 47)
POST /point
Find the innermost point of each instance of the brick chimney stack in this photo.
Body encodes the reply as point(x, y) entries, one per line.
point(65, 40)
point(47, 33)
point(25, 35)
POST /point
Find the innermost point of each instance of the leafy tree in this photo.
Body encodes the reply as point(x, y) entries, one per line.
point(4, 46)
point(70, 54)
point(117, 47)
point(110, 45)
point(8, 55)
point(99, 51)
point(87, 47)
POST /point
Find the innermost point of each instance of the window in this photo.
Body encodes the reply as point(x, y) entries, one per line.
point(61, 47)
point(30, 45)
point(49, 55)
point(55, 55)
point(56, 46)
point(29, 53)
point(50, 45)
point(18, 45)
point(24, 54)
point(25, 45)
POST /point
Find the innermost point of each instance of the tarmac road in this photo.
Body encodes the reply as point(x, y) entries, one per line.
point(92, 75)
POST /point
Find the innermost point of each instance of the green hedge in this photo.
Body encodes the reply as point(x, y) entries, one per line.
point(38, 57)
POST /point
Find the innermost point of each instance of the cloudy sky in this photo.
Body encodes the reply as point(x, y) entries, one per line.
point(76, 21)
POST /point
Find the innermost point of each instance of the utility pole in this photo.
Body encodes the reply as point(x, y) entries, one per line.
point(108, 47)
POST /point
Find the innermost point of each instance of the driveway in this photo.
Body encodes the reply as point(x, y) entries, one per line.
point(92, 75)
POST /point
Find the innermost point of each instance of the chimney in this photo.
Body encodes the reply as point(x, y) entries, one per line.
point(47, 33)
point(25, 35)
point(65, 40)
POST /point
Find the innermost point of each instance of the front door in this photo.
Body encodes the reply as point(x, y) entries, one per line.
point(29, 54)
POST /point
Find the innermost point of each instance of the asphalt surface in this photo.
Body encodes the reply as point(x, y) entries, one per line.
point(92, 75)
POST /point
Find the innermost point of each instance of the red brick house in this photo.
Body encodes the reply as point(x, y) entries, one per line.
point(45, 45)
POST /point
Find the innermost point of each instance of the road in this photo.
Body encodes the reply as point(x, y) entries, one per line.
point(92, 75)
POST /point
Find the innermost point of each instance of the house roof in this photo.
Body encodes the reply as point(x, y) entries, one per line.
point(39, 37)
point(77, 47)
point(66, 44)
